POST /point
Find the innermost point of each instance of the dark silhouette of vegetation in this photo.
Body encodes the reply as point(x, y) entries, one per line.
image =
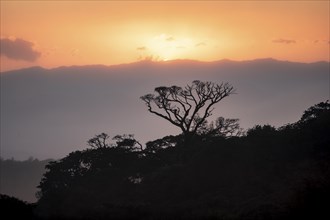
point(13, 208)
point(188, 107)
point(99, 141)
point(264, 173)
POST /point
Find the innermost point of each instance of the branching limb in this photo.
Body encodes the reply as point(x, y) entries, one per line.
point(182, 106)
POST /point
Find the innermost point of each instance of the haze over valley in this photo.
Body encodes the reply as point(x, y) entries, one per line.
point(47, 113)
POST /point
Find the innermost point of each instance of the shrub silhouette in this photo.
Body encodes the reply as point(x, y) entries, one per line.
point(13, 208)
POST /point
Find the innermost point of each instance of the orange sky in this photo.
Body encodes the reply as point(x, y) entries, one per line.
point(52, 34)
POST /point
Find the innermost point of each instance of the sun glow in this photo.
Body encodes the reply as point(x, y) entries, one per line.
point(167, 47)
point(116, 32)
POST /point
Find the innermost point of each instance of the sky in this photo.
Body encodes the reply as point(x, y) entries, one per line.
point(65, 33)
point(50, 111)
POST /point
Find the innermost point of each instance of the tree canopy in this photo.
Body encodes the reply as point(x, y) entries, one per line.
point(266, 173)
point(188, 107)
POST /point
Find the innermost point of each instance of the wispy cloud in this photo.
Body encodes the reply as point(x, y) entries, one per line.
point(74, 52)
point(321, 41)
point(170, 38)
point(200, 44)
point(141, 48)
point(284, 41)
point(18, 49)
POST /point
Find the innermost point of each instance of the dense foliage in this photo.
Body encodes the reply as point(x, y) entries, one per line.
point(13, 208)
point(268, 173)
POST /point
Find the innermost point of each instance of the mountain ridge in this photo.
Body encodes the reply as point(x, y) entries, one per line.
point(169, 62)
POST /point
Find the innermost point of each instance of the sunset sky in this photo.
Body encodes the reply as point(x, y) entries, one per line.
point(64, 33)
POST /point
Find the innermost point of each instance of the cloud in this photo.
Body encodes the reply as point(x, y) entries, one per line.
point(318, 41)
point(200, 44)
point(141, 48)
point(49, 50)
point(18, 49)
point(74, 52)
point(170, 38)
point(284, 41)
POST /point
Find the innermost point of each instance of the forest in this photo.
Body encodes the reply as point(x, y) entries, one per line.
point(213, 170)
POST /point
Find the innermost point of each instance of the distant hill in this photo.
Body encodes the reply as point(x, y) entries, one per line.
point(21, 178)
point(51, 112)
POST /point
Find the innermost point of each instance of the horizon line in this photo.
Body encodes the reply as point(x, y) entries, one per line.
point(164, 62)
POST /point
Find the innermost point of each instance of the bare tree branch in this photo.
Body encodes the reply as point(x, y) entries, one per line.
point(182, 107)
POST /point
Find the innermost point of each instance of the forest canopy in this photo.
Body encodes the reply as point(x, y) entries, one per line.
point(266, 173)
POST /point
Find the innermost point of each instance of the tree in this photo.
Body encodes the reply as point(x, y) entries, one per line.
point(99, 141)
point(163, 143)
point(84, 181)
point(188, 107)
point(222, 127)
point(261, 131)
point(316, 111)
point(128, 141)
point(14, 208)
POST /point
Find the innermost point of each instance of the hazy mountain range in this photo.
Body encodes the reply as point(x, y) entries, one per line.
point(21, 178)
point(48, 113)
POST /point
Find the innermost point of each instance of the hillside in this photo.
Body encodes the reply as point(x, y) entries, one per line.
point(21, 178)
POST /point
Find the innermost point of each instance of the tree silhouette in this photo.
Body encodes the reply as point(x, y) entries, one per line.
point(222, 127)
point(226, 177)
point(128, 141)
point(99, 141)
point(315, 111)
point(14, 208)
point(188, 107)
